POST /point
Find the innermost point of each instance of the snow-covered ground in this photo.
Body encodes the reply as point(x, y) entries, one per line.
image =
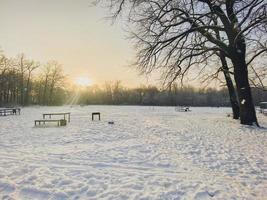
point(149, 153)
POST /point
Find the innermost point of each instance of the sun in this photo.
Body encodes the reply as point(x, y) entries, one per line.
point(83, 81)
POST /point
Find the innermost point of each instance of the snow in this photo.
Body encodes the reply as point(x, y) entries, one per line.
point(148, 153)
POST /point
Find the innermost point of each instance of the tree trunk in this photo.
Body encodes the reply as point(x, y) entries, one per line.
point(28, 89)
point(229, 82)
point(44, 99)
point(50, 100)
point(21, 82)
point(247, 109)
point(231, 88)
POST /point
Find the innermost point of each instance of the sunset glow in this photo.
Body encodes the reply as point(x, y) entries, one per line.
point(83, 81)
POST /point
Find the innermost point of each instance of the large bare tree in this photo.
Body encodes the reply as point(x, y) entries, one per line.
point(176, 36)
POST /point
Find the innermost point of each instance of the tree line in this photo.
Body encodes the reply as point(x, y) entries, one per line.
point(19, 84)
point(114, 93)
point(27, 82)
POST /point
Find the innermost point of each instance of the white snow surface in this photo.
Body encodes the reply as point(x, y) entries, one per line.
point(148, 153)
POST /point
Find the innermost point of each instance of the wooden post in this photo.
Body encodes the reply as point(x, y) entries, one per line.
point(96, 113)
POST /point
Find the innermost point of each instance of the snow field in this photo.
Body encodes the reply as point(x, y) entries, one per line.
point(149, 153)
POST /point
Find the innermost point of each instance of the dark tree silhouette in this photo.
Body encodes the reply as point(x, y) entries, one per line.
point(176, 36)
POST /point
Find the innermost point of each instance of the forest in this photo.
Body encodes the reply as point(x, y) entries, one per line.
point(114, 93)
point(20, 85)
point(27, 82)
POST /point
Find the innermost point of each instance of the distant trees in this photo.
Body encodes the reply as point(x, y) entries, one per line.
point(27, 82)
point(110, 93)
point(26, 68)
point(16, 79)
point(175, 37)
point(50, 82)
point(18, 86)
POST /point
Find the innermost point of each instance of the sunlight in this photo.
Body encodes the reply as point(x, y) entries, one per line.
point(83, 81)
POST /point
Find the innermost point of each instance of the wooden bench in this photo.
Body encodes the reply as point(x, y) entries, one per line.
point(97, 114)
point(9, 111)
point(67, 114)
point(264, 111)
point(263, 108)
point(60, 122)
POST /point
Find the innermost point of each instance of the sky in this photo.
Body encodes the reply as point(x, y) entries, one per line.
point(72, 32)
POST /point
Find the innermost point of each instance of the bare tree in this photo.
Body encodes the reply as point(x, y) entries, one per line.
point(51, 77)
point(30, 67)
point(227, 76)
point(4, 70)
point(21, 61)
point(176, 36)
point(44, 83)
point(18, 85)
point(56, 78)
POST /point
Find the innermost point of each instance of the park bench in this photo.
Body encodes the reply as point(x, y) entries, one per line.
point(67, 114)
point(9, 111)
point(263, 108)
point(60, 122)
point(264, 111)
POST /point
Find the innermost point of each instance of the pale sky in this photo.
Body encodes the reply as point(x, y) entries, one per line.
point(71, 32)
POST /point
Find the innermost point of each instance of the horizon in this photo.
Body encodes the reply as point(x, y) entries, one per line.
point(72, 33)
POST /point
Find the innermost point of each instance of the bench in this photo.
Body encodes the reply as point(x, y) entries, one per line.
point(97, 114)
point(182, 109)
point(67, 114)
point(60, 122)
point(264, 111)
point(9, 111)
